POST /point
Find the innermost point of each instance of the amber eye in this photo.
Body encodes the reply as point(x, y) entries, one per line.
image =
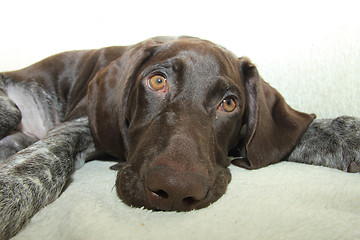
point(228, 104)
point(156, 82)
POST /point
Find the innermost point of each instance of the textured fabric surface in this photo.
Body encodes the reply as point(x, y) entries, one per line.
point(282, 201)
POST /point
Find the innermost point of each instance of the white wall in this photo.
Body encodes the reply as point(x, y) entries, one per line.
point(309, 50)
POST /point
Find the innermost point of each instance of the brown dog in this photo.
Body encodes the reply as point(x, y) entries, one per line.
point(178, 112)
point(171, 109)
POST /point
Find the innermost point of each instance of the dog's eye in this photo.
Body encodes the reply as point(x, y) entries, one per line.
point(228, 104)
point(156, 82)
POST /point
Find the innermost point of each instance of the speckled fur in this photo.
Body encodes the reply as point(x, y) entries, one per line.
point(10, 115)
point(332, 143)
point(35, 176)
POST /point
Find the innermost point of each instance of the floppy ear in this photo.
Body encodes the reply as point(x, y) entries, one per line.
point(107, 99)
point(272, 127)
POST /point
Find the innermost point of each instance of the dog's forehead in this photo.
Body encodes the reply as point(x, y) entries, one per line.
point(195, 48)
point(198, 56)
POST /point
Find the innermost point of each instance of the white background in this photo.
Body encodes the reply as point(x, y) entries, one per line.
point(293, 43)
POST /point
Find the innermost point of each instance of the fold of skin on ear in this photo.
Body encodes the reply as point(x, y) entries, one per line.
point(104, 102)
point(272, 127)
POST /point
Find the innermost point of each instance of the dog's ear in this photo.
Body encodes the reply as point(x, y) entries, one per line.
point(107, 99)
point(272, 128)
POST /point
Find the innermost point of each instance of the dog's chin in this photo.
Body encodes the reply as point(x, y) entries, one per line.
point(131, 190)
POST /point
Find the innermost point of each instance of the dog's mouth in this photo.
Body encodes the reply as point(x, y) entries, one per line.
point(163, 189)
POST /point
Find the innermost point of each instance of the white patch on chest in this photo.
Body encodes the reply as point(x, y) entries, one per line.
point(33, 115)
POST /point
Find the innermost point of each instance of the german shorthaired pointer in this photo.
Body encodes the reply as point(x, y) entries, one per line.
point(172, 110)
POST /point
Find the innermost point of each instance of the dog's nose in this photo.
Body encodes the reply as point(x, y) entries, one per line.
point(173, 190)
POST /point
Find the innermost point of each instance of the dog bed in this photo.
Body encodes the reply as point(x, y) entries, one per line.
point(282, 201)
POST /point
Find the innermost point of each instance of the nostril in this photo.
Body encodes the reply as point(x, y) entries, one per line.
point(162, 194)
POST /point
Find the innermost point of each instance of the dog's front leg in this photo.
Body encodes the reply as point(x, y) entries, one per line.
point(331, 143)
point(35, 176)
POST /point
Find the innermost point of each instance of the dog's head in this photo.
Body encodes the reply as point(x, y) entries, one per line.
point(174, 109)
